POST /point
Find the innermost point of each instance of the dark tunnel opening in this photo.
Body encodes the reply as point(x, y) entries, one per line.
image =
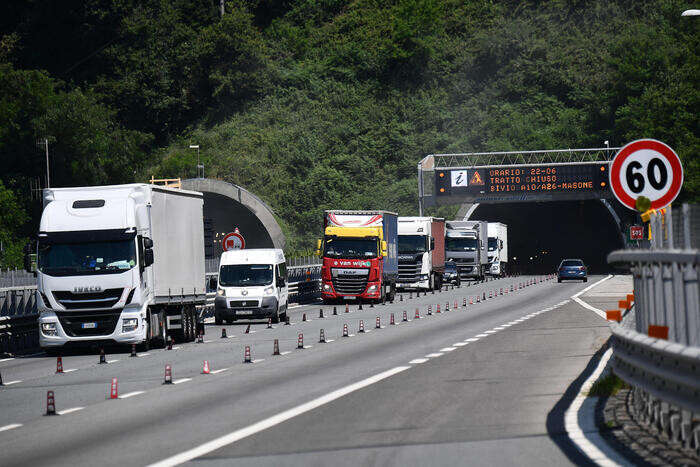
point(540, 235)
point(222, 215)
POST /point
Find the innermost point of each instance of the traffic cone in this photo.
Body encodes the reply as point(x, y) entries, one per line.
point(391, 320)
point(114, 389)
point(456, 305)
point(246, 355)
point(430, 310)
point(478, 299)
point(168, 375)
point(303, 317)
point(286, 321)
point(464, 301)
point(320, 313)
point(484, 297)
point(401, 297)
point(405, 315)
point(322, 337)
point(447, 306)
point(50, 403)
point(59, 365)
point(269, 323)
point(437, 309)
point(378, 325)
point(103, 358)
point(223, 333)
point(247, 330)
point(371, 304)
point(362, 326)
point(276, 347)
point(360, 307)
point(410, 295)
point(205, 367)
point(345, 330)
point(417, 315)
point(200, 338)
point(300, 341)
point(471, 300)
point(501, 291)
point(335, 311)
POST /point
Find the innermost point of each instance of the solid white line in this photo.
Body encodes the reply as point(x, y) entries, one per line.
point(595, 310)
point(71, 410)
point(587, 438)
point(131, 394)
point(11, 426)
point(417, 360)
point(13, 382)
point(182, 380)
point(216, 372)
point(7, 360)
point(70, 370)
point(592, 285)
point(434, 355)
point(448, 349)
point(274, 420)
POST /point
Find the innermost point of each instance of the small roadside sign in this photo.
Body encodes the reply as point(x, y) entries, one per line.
point(233, 241)
point(648, 168)
point(636, 232)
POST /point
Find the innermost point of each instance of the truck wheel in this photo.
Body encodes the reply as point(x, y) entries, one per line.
point(193, 323)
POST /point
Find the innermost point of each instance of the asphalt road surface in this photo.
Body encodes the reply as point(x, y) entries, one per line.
point(472, 385)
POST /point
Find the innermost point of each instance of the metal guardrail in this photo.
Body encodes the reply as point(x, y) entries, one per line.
point(16, 278)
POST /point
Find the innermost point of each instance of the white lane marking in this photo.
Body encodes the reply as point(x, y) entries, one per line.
point(182, 380)
point(112, 361)
point(328, 341)
point(237, 435)
point(592, 285)
point(294, 306)
point(67, 411)
point(434, 355)
point(220, 370)
point(415, 361)
point(472, 339)
point(481, 335)
point(258, 360)
point(177, 347)
point(9, 383)
point(460, 344)
point(499, 328)
point(7, 360)
point(285, 352)
point(11, 426)
point(587, 438)
point(70, 370)
point(131, 394)
point(142, 354)
point(595, 310)
point(208, 342)
point(448, 349)
point(490, 331)
point(307, 346)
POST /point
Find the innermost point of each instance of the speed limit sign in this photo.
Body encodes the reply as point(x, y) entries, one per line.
point(649, 168)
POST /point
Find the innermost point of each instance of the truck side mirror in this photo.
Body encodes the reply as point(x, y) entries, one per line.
point(384, 248)
point(147, 257)
point(147, 242)
point(318, 247)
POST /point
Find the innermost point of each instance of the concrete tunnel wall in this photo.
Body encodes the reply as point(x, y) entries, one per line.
point(228, 206)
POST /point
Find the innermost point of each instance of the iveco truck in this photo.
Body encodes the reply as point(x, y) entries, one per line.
point(466, 245)
point(119, 264)
point(421, 253)
point(498, 248)
point(359, 255)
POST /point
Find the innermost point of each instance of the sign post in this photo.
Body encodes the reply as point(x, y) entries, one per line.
point(233, 241)
point(648, 168)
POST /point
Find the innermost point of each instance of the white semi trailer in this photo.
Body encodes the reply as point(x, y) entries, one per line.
point(119, 264)
point(498, 248)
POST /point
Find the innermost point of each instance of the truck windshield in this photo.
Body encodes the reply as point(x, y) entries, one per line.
point(77, 259)
point(350, 247)
point(460, 244)
point(245, 275)
point(412, 244)
point(493, 244)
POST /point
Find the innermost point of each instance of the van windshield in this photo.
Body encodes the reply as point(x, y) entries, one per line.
point(245, 275)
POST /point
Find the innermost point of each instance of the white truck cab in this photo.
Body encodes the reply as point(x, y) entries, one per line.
point(252, 285)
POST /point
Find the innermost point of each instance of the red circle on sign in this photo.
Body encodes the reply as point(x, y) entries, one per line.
point(654, 145)
point(228, 242)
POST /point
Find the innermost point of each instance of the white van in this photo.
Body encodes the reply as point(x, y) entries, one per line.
point(252, 285)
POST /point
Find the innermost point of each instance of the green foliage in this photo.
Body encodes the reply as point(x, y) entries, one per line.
point(607, 386)
point(12, 218)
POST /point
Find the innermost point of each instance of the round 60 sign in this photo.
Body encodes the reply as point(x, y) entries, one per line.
point(233, 241)
point(649, 168)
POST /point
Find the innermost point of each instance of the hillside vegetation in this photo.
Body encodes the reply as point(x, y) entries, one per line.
point(317, 104)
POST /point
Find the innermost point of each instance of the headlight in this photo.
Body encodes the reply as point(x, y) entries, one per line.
point(129, 324)
point(220, 292)
point(326, 287)
point(269, 290)
point(423, 277)
point(372, 288)
point(49, 329)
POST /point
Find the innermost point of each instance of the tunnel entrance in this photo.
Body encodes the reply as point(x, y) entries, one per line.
point(540, 235)
point(228, 207)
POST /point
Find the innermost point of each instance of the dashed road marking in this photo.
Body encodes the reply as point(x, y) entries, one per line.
point(220, 370)
point(11, 426)
point(9, 383)
point(448, 349)
point(415, 361)
point(472, 339)
point(286, 352)
point(112, 361)
point(143, 354)
point(258, 360)
point(182, 380)
point(131, 394)
point(460, 344)
point(70, 370)
point(67, 411)
point(7, 360)
point(434, 355)
point(482, 335)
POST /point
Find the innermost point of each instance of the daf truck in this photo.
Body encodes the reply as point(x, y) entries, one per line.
point(359, 256)
point(421, 253)
point(119, 264)
point(466, 245)
point(498, 248)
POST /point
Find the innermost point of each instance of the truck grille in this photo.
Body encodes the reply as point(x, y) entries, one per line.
point(350, 285)
point(77, 301)
point(105, 322)
point(409, 272)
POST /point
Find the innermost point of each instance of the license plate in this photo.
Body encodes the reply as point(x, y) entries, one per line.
point(244, 312)
point(89, 325)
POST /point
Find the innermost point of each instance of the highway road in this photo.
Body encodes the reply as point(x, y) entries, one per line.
point(472, 385)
